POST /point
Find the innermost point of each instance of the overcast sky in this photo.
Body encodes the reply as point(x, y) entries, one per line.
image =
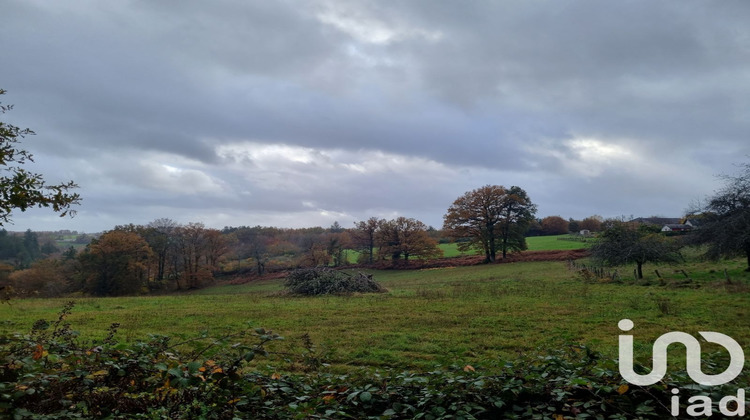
point(302, 113)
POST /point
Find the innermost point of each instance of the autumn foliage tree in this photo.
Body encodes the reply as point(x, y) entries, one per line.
point(45, 278)
point(405, 237)
point(491, 218)
point(116, 264)
point(591, 223)
point(261, 245)
point(554, 225)
point(199, 250)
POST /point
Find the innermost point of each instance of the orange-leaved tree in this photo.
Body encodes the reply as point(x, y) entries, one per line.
point(554, 225)
point(116, 264)
point(491, 219)
point(406, 237)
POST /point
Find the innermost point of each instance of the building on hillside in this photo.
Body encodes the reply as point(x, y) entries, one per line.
point(676, 227)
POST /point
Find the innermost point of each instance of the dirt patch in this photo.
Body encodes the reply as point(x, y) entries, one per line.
point(560, 255)
point(524, 256)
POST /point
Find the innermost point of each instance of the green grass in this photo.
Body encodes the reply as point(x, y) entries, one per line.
point(451, 250)
point(553, 243)
point(535, 243)
point(457, 315)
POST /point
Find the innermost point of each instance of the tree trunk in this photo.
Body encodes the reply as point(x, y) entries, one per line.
point(748, 259)
point(640, 270)
point(160, 269)
point(260, 266)
point(491, 243)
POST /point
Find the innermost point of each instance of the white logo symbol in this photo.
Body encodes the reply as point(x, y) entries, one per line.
point(693, 357)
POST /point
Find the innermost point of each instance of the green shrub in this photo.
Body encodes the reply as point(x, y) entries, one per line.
point(325, 281)
point(47, 374)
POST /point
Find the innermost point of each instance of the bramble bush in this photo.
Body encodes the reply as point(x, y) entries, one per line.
point(49, 374)
point(325, 281)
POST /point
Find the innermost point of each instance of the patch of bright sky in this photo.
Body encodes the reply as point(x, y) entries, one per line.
point(587, 156)
point(276, 156)
point(372, 31)
point(173, 174)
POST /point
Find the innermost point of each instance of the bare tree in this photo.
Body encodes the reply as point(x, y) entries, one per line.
point(623, 243)
point(724, 221)
point(160, 235)
point(364, 236)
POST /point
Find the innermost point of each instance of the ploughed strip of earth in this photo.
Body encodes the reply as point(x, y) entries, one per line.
point(525, 256)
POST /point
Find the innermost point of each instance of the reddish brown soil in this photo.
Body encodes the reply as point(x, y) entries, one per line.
point(525, 256)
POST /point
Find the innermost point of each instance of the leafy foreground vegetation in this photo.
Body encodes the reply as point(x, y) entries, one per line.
point(47, 375)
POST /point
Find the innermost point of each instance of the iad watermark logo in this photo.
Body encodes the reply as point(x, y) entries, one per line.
point(700, 405)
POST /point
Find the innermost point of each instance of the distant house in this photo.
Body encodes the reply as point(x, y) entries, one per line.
point(676, 227)
point(585, 232)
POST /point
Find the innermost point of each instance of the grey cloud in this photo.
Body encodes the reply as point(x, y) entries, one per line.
point(493, 92)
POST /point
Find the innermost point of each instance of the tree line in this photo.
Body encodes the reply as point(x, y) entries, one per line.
point(164, 255)
point(126, 260)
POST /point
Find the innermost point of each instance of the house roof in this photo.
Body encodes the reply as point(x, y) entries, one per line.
point(677, 226)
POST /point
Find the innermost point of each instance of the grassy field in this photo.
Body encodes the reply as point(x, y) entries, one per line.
point(535, 243)
point(551, 243)
point(457, 315)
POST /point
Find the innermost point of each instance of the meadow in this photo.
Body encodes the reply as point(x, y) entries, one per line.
point(557, 242)
point(462, 315)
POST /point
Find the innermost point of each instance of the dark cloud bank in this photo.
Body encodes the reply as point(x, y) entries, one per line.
point(305, 113)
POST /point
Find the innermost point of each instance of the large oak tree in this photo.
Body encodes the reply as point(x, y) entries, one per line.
point(405, 237)
point(491, 218)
